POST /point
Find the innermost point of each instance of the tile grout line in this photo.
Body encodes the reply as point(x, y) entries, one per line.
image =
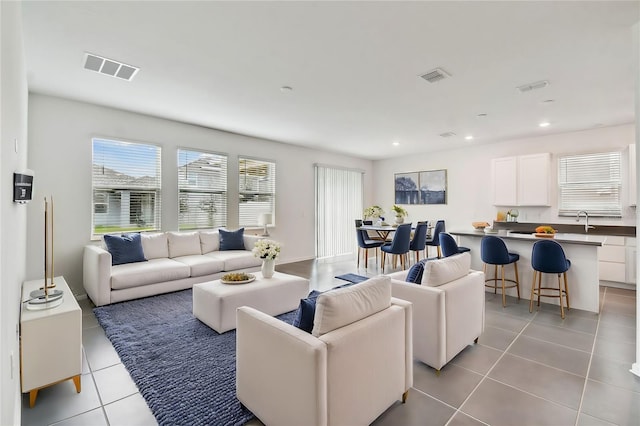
point(486, 375)
point(593, 348)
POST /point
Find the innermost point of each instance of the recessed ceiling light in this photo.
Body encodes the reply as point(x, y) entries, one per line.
point(395, 143)
point(286, 89)
point(544, 124)
point(468, 137)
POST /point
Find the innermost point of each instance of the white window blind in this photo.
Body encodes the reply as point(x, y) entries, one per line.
point(257, 181)
point(126, 187)
point(590, 182)
point(202, 189)
point(338, 204)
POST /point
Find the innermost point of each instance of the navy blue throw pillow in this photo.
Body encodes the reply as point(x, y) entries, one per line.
point(415, 273)
point(125, 248)
point(306, 312)
point(231, 240)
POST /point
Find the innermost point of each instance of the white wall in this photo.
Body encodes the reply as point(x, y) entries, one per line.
point(13, 124)
point(469, 176)
point(60, 132)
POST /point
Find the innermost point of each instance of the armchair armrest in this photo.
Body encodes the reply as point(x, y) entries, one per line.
point(96, 274)
point(399, 275)
point(281, 371)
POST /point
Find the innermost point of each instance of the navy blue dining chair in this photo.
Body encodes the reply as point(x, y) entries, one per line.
point(434, 241)
point(399, 246)
point(547, 257)
point(493, 251)
point(364, 244)
point(449, 246)
point(419, 240)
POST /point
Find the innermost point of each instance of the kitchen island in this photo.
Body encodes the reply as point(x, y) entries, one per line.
point(581, 249)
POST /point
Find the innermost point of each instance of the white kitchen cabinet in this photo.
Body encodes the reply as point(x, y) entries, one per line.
point(522, 180)
point(50, 341)
point(616, 260)
point(632, 175)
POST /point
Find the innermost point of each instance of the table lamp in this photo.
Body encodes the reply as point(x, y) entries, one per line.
point(264, 220)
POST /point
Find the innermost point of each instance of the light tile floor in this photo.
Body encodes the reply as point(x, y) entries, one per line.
point(527, 369)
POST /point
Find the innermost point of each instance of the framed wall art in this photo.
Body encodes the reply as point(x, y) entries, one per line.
point(426, 187)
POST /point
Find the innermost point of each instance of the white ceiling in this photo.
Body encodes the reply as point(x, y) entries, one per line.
point(354, 67)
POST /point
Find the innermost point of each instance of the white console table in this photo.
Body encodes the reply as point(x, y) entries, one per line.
point(50, 341)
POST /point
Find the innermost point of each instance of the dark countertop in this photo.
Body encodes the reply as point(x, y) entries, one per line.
point(569, 238)
point(578, 228)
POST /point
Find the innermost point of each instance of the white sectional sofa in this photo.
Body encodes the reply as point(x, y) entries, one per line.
point(175, 261)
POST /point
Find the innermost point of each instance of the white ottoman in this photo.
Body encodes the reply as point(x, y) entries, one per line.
point(215, 303)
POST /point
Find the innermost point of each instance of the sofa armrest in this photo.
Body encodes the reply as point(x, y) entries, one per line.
point(399, 275)
point(281, 371)
point(429, 327)
point(408, 311)
point(250, 241)
point(96, 274)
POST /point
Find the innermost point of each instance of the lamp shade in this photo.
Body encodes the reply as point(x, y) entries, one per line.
point(265, 219)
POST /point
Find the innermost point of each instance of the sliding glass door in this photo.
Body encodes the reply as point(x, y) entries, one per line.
point(338, 204)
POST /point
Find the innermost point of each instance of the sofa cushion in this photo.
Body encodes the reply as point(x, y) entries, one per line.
point(151, 272)
point(442, 271)
point(236, 259)
point(125, 248)
point(231, 240)
point(337, 308)
point(183, 243)
point(209, 241)
point(201, 265)
point(415, 273)
point(155, 246)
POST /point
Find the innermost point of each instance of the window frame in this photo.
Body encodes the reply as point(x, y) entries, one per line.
point(270, 164)
point(569, 191)
point(110, 191)
point(195, 190)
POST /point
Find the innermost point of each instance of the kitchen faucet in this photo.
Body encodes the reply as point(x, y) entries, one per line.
point(586, 223)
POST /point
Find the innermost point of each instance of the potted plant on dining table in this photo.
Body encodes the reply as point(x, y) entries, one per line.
point(373, 213)
point(400, 213)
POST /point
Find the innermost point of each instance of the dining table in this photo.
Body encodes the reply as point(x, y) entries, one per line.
point(383, 231)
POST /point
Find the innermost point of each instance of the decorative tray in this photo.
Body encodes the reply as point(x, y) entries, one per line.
point(543, 235)
point(225, 279)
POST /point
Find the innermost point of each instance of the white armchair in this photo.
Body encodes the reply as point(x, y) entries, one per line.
point(448, 308)
point(355, 364)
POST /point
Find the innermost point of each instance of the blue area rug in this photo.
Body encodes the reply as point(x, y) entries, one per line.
point(352, 278)
point(184, 370)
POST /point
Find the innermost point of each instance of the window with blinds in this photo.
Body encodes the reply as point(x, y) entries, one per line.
point(202, 190)
point(338, 204)
point(590, 182)
point(126, 187)
point(257, 181)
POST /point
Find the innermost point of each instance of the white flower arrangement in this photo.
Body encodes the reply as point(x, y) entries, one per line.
point(373, 211)
point(266, 249)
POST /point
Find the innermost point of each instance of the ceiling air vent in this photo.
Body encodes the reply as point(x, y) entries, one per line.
point(109, 67)
point(447, 134)
point(435, 75)
point(533, 86)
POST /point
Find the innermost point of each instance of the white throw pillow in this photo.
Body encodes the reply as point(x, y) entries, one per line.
point(337, 308)
point(155, 245)
point(183, 244)
point(442, 271)
point(209, 241)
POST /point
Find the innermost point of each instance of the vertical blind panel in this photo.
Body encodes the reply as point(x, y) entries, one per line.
point(590, 182)
point(338, 204)
point(126, 184)
point(257, 190)
point(202, 186)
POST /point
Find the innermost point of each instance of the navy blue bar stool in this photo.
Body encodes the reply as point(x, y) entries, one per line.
point(493, 251)
point(449, 246)
point(419, 240)
point(548, 257)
